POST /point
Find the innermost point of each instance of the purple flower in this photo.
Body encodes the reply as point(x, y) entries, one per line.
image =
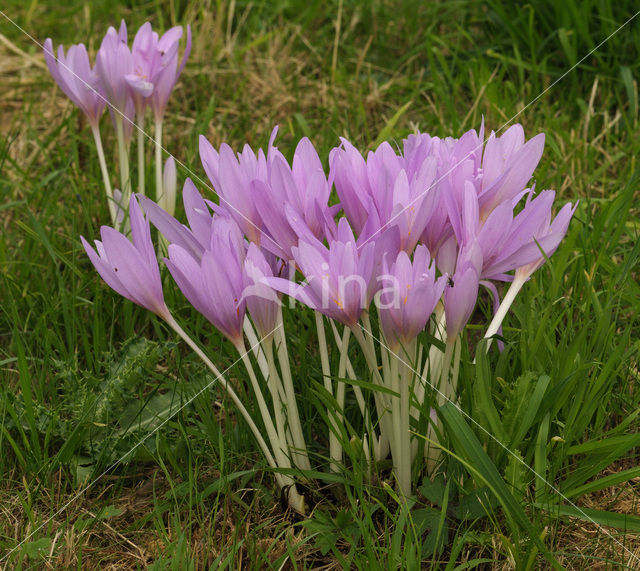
point(264, 195)
point(407, 303)
point(262, 302)
point(146, 62)
point(74, 75)
point(168, 72)
point(507, 166)
point(130, 269)
point(510, 242)
point(390, 189)
point(462, 293)
point(214, 285)
point(155, 68)
point(231, 177)
point(113, 63)
point(338, 278)
point(460, 298)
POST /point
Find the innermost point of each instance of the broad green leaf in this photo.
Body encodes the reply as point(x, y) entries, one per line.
point(609, 519)
point(479, 464)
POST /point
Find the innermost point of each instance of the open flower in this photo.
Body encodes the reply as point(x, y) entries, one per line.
point(155, 68)
point(214, 285)
point(262, 193)
point(113, 62)
point(75, 76)
point(387, 189)
point(408, 297)
point(338, 278)
point(510, 242)
point(131, 269)
point(507, 166)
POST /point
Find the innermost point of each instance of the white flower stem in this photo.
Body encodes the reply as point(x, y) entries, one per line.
point(95, 129)
point(140, 145)
point(444, 388)
point(335, 448)
point(234, 397)
point(498, 318)
point(434, 360)
point(384, 353)
point(256, 346)
point(275, 389)
point(448, 387)
point(351, 374)
point(293, 416)
point(342, 371)
point(455, 370)
point(280, 448)
point(123, 159)
point(160, 198)
point(404, 474)
point(393, 382)
point(432, 451)
point(382, 406)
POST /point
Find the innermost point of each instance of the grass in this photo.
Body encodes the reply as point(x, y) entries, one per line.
point(86, 375)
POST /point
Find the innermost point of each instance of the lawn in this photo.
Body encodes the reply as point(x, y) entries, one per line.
point(118, 451)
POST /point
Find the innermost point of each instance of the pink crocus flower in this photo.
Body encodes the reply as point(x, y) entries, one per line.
point(387, 189)
point(262, 301)
point(145, 61)
point(79, 81)
point(262, 193)
point(214, 285)
point(155, 68)
point(461, 294)
point(525, 240)
point(113, 63)
point(338, 278)
point(166, 76)
point(131, 269)
point(409, 295)
point(507, 166)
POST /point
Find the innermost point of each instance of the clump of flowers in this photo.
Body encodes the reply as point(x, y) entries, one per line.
point(417, 234)
point(413, 237)
point(130, 80)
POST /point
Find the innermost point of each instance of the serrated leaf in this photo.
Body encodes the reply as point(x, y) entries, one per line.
point(516, 474)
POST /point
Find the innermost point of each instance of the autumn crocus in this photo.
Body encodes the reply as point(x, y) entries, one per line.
point(530, 240)
point(408, 297)
point(129, 268)
point(301, 191)
point(386, 190)
point(406, 302)
point(214, 285)
point(113, 62)
point(337, 277)
point(507, 166)
point(263, 193)
point(165, 71)
point(79, 81)
point(75, 76)
point(140, 81)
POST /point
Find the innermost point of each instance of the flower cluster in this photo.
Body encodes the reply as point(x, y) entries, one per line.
point(415, 234)
point(129, 80)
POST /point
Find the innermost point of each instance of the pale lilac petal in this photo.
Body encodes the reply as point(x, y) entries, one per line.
point(171, 229)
